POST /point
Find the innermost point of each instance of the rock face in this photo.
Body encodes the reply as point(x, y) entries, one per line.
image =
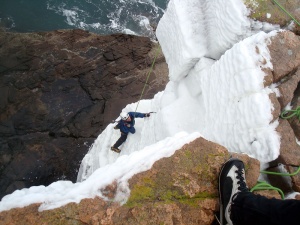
point(181, 189)
point(285, 56)
point(59, 90)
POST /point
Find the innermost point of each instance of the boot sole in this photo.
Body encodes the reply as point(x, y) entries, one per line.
point(115, 151)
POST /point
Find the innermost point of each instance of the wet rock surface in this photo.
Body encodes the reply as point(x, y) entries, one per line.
point(59, 90)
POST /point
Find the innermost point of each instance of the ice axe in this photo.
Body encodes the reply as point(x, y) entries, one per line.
point(150, 112)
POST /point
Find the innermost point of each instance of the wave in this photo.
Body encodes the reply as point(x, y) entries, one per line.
point(138, 17)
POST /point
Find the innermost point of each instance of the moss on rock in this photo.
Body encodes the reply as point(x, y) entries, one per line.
point(268, 11)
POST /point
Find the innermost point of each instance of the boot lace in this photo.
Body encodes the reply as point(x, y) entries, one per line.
point(241, 177)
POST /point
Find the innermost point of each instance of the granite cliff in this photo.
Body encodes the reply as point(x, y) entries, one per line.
point(59, 87)
point(59, 90)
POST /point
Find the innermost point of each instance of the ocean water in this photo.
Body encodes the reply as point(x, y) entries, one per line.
point(138, 17)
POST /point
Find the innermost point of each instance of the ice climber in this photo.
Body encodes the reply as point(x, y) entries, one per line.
point(126, 125)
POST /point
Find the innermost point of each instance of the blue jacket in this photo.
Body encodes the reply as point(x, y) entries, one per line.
point(127, 127)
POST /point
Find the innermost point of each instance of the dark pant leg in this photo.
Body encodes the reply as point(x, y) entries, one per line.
point(121, 140)
point(250, 209)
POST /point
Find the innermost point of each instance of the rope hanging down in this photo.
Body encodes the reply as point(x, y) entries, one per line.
point(283, 9)
point(150, 70)
point(294, 112)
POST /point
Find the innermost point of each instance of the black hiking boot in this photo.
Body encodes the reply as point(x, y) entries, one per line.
point(231, 182)
point(115, 149)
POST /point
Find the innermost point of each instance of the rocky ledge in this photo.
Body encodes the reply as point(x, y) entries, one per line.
point(181, 189)
point(59, 90)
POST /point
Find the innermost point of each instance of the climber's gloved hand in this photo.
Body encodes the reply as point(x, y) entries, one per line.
point(147, 115)
point(116, 127)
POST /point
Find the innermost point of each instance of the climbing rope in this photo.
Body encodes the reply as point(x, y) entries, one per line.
point(150, 70)
point(282, 174)
point(262, 185)
point(295, 112)
point(283, 9)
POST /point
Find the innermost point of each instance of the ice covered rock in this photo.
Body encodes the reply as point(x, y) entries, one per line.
point(182, 187)
point(194, 29)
